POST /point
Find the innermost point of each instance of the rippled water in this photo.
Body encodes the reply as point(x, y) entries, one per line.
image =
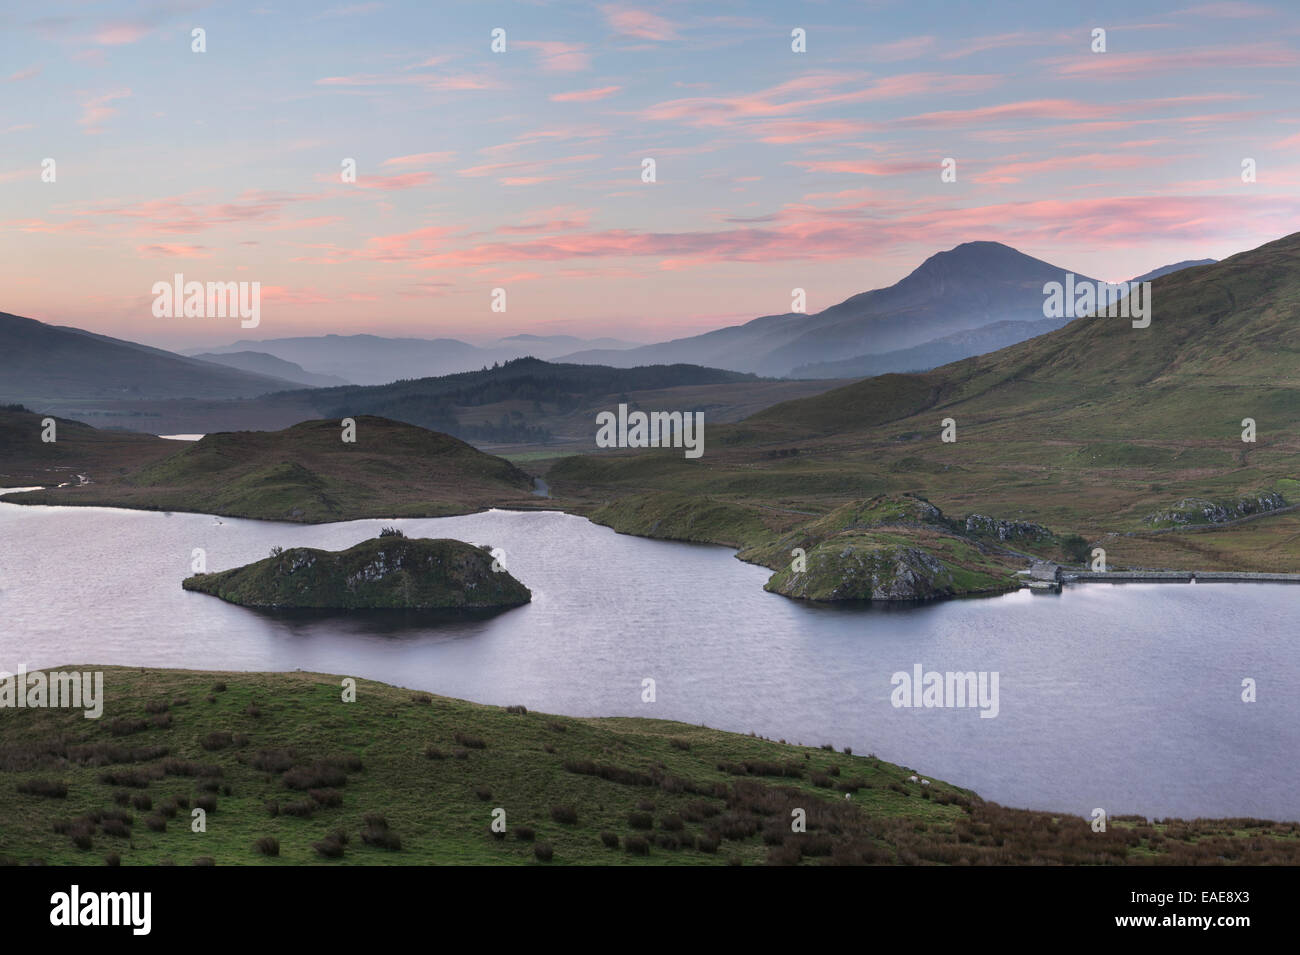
point(1125, 697)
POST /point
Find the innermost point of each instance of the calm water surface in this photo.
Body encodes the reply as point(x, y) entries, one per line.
point(1125, 697)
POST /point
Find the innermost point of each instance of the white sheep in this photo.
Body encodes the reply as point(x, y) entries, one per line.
point(911, 779)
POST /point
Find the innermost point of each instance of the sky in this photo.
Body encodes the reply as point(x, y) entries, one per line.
point(524, 169)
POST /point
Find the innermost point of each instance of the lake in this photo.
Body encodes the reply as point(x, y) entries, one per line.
point(1126, 697)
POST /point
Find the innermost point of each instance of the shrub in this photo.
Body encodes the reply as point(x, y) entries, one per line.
point(326, 797)
point(156, 823)
point(204, 860)
point(609, 839)
point(183, 767)
point(115, 827)
point(122, 797)
point(142, 801)
point(433, 752)
point(131, 778)
point(124, 727)
point(525, 833)
point(391, 532)
point(274, 760)
point(328, 848)
point(112, 859)
point(49, 788)
point(217, 740)
point(640, 820)
point(302, 809)
point(468, 741)
point(483, 793)
point(383, 838)
point(637, 846)
point(672, 822)
point(517, 710)
point(544, 851)
point(157, 706)
point(679, 743)
point(206, 803)
point(320, 775)
point(219, 688)
point(425, 698)
point(564, 814)
point(268, 846)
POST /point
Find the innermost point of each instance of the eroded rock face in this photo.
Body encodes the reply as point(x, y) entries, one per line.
point(382, 573)
point(1005, 530)
point(865, 571)
point(1197, 510)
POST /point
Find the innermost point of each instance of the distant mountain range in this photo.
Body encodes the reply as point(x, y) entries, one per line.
point(264, 364)
point(375, 360)
point(968, 300)
point(959, 345)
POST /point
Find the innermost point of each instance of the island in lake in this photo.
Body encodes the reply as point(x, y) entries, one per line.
point(389, 572)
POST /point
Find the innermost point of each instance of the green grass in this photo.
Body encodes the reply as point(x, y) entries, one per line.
point(701, 789)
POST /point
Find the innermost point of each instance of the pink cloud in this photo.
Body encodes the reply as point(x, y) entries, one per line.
point(1264, 55)
point(1015, 171)
point(26, 74)
point(420, 159)
point(585, 96)
point(810, 92)
point(166, 250)
point(288, 296)
point(95, 110)
point(120, 34)
point(639, 23)
point(905, 49)
point(558, 57)
point(866, 167)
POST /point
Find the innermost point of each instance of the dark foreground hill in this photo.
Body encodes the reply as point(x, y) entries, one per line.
point(289, 774)
point(40, 361)
point(384, 573)
point(308, 473)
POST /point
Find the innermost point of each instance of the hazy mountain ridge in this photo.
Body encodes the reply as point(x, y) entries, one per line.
point(972, 285)
point(38, 360)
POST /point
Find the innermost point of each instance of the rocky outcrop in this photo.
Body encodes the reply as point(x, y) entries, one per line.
point(865, 570)
point(384, 573)
point(984, 525)
point(1196, 510)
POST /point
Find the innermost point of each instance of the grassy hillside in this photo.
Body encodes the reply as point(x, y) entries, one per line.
point(307, 473)
point(386, 572)
point(1095, 430)
point(281, 765)
point(100, 455)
